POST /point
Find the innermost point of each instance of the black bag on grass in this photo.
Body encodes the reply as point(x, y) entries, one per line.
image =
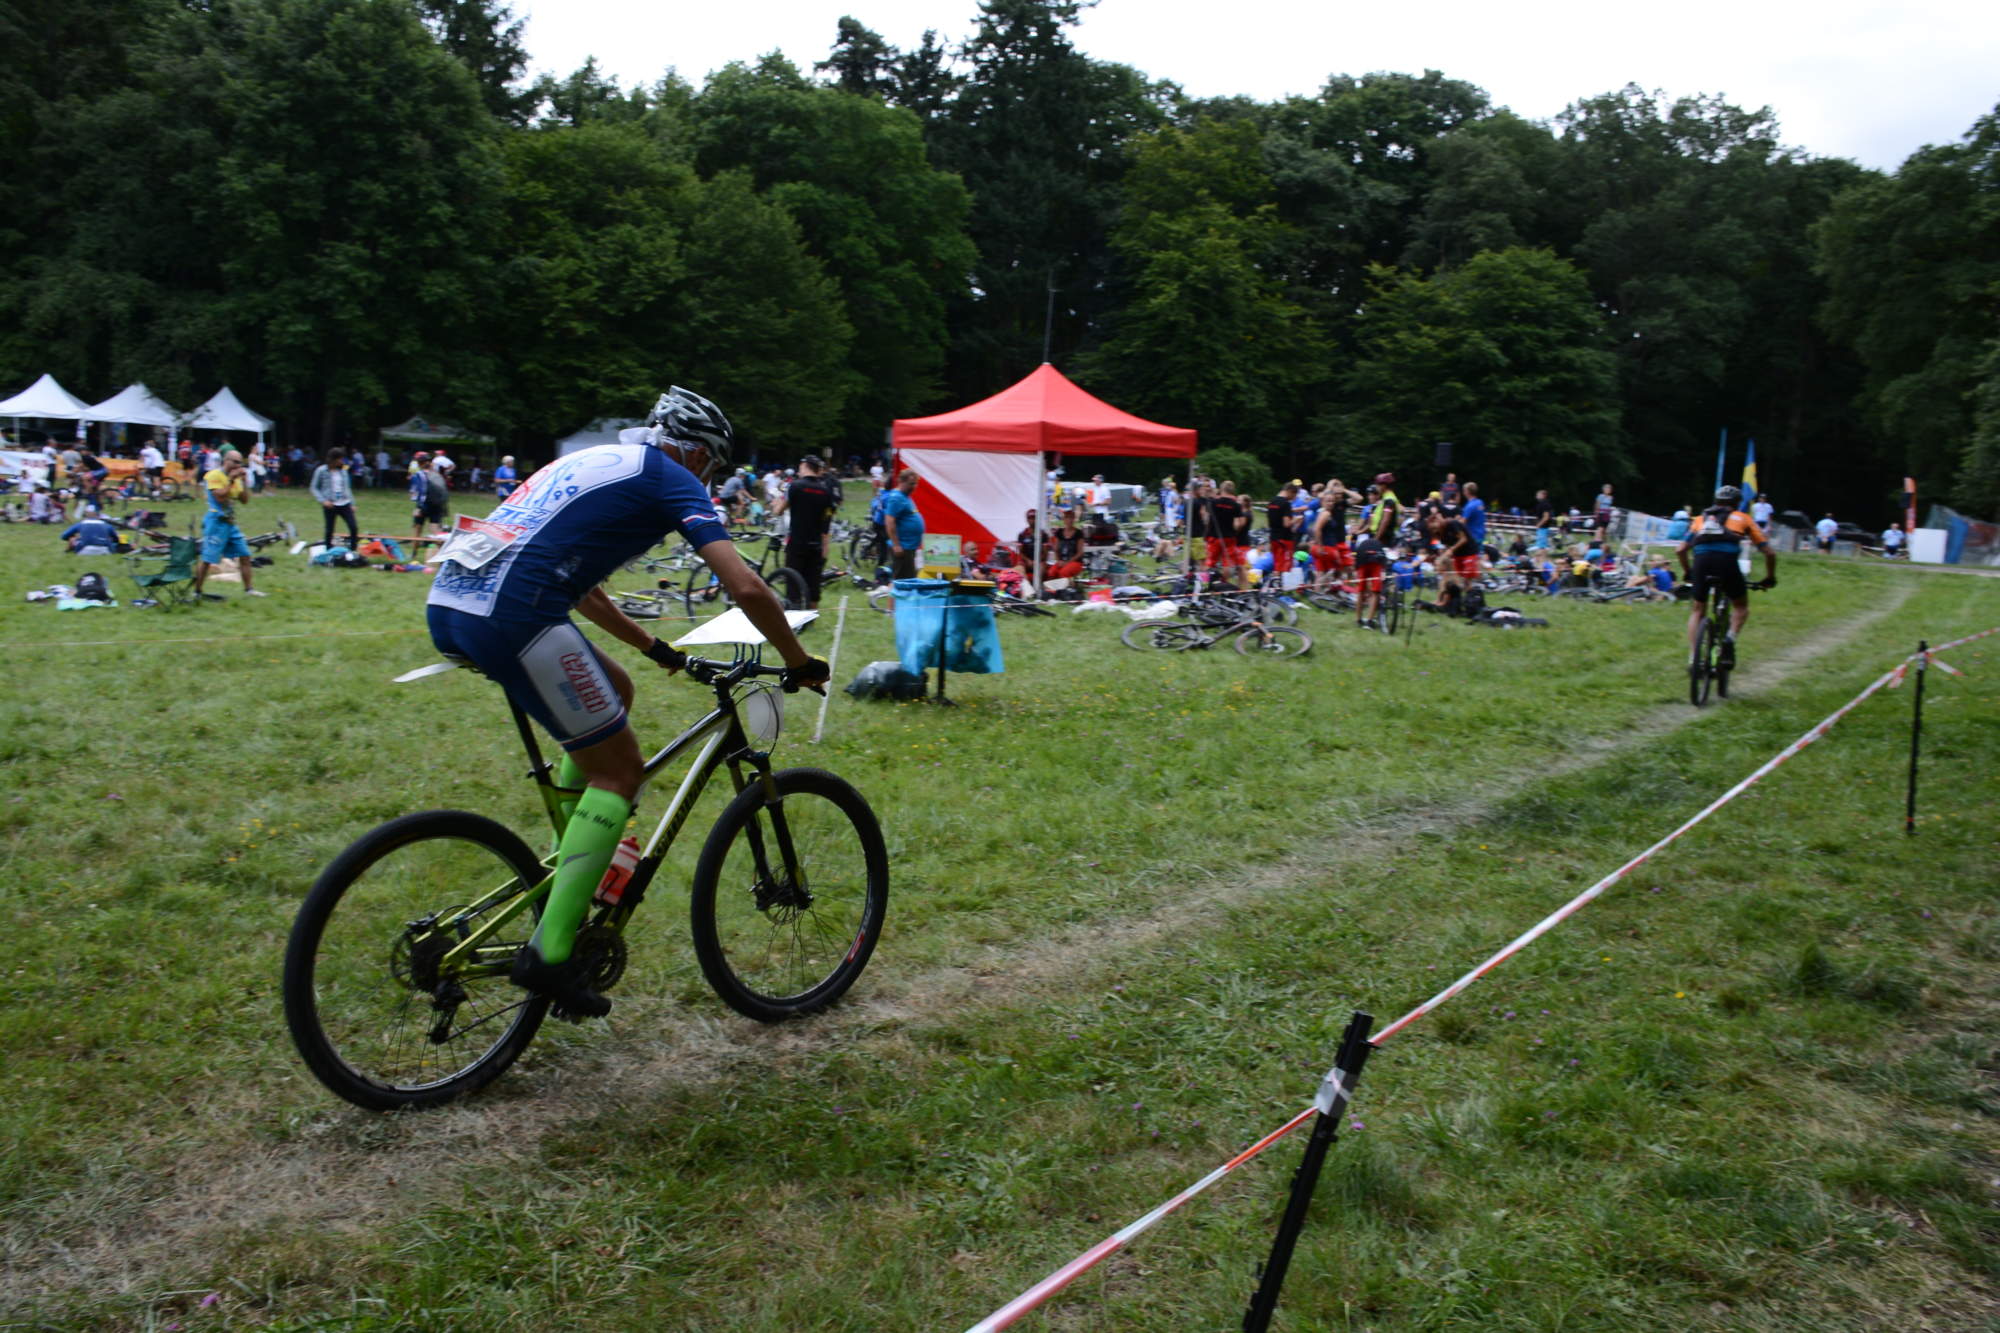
point(886, 680)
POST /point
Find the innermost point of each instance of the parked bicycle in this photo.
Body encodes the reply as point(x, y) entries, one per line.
point(396, 985)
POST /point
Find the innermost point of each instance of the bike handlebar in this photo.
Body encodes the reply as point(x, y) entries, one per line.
point(726, 675)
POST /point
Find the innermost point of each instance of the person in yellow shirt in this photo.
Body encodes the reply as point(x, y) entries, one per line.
point(226, 488)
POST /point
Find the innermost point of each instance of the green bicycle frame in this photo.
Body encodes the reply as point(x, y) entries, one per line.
point(722, 740)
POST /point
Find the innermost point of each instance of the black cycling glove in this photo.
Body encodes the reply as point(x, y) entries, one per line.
point(668, 656)
point(1768, 581)
point(812, 676)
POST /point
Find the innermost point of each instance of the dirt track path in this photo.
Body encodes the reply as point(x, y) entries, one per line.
point(349, 1172)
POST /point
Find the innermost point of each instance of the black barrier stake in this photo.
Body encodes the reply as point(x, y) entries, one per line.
point(1334, 1094)
point(1916, 735)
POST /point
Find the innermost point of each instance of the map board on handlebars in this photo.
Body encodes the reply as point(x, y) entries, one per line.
point(732, 626)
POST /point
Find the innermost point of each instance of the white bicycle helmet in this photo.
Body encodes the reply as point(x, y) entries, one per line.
point(693, 431)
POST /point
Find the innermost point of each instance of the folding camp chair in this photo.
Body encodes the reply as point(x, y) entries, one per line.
point(172, 584)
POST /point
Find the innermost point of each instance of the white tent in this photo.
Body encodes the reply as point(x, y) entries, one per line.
point(605, 430)
point(45, 398)
point(225, 411)
point(134, 405)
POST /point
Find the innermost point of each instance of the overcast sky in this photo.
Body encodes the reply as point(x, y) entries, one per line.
point(1848, 78)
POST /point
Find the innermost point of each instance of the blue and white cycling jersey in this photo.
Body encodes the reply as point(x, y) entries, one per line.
point(569, 526)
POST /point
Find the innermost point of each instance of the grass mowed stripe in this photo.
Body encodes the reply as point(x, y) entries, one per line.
point(968, 1121)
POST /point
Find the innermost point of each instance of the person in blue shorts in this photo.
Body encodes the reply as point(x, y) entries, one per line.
point(226, 487)
point(502, 599)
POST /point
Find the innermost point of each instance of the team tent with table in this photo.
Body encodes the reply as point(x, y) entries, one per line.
point(982, 466)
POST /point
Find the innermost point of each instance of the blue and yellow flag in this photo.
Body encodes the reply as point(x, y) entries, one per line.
point(1750, 474)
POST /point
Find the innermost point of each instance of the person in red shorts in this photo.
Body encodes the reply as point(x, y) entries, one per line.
point(1458, 556)
point(1332, 556)
point(1370, 559)
point(1284, 528)
point(1225, 544)
point(1065, 549)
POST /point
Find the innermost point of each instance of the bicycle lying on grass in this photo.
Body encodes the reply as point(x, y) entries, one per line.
point(1253, 637)
point(395, 978)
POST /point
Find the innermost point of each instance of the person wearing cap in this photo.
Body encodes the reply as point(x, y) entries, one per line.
point(1386, 513)
point(809, 505)
point(92, 534)
point(503, 599)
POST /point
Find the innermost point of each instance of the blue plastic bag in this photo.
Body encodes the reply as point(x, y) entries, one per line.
point(929, 615)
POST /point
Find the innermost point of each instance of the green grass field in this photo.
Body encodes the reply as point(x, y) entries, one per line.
point(1135, 900)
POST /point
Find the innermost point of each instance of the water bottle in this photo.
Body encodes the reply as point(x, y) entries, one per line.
point(618, 874)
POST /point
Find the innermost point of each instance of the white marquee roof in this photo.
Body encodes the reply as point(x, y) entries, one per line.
point(226, 411)
point(45, 398)
point(134, 405)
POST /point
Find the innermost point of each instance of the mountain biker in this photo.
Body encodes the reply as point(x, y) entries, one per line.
point(1708, 560)
point(502, 600)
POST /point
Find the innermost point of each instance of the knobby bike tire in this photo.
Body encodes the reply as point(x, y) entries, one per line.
point(1722, 667)
point(355, 1002)
point(771, 947)
point(1274, 641)
point(1391, 612)
point(790, 585)
point(701, 589)
point(1701, 676)
point(1139, 634)
point(1332, 602)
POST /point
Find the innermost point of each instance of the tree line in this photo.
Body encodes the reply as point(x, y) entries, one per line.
point(353, 210)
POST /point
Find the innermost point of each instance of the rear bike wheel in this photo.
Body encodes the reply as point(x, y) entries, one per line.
point(1391, 614)
point(1274, 641)
point(1140, 633)
point(374, 1015)
point(1701, 674)
point(775, 942)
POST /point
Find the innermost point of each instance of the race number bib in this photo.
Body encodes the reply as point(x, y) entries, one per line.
point(474, 542)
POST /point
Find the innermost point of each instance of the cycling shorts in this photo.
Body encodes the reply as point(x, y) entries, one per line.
point(1333, 557)
point(1368, 576)
point(555, 674)
point(1465, 566)
point(221, 540)
point(1717, 571)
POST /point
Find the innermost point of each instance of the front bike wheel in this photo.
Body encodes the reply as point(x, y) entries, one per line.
point(373, 1013)
point(1274, 641)
point(781, 933)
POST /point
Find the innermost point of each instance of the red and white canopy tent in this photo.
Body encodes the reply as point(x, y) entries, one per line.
point(982, 466)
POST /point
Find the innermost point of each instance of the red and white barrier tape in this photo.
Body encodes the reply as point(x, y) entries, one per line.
point(1332, 1096)
point(1118, 1239)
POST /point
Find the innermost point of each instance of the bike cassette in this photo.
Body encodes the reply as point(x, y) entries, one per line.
point(604, 951)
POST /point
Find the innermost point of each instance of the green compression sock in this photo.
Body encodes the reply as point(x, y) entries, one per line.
point(581, 858)
point(569, 774)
